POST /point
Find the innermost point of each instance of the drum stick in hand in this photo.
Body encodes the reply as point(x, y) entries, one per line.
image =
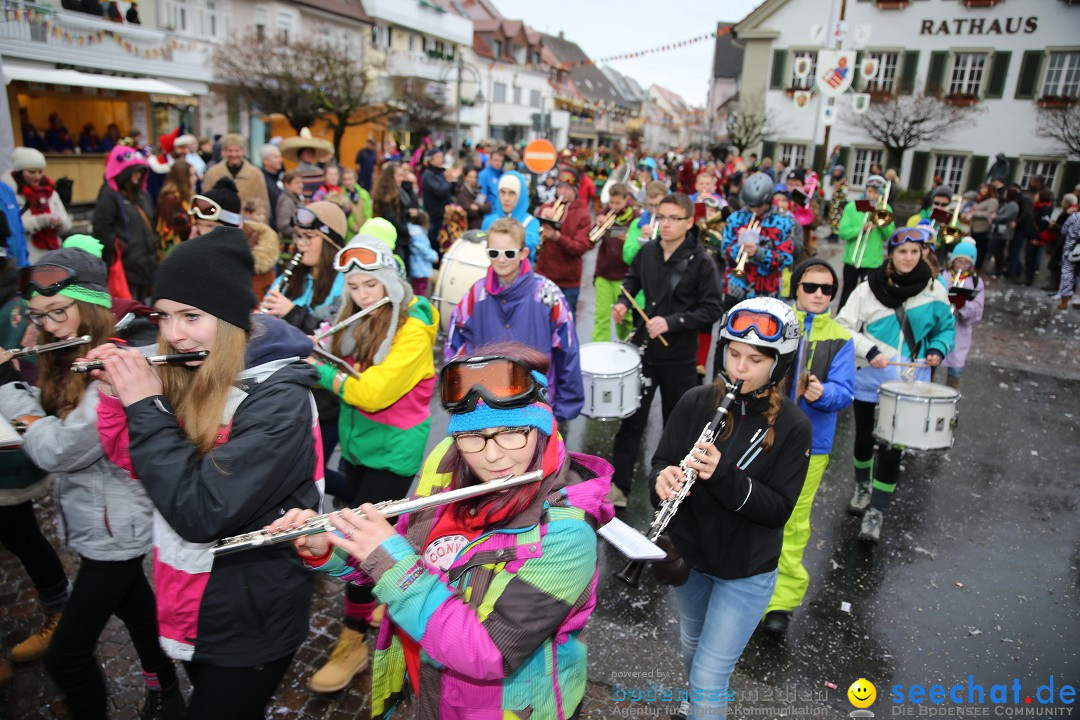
point(920, 364)
point(642, 313)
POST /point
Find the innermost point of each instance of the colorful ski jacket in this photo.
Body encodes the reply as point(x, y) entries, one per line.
point(826, 351)
point(500, 630)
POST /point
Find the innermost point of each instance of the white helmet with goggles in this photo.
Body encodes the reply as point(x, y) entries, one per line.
point(763, 322)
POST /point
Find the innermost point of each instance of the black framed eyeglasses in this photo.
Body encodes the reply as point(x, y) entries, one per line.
point(507, 438)
point(57, 315)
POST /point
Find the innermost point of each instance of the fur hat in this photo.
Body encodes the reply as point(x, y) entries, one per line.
point(24, 158)
point(387, 273)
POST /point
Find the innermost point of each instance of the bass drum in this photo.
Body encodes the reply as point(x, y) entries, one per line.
point(916, 415)
point(462, 265)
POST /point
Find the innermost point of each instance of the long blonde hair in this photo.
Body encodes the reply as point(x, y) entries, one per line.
point(198, 395)
point(61, 389)
point(369, 332)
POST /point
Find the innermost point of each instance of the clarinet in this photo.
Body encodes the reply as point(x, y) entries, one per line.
point(287, 274)
point(631, 572)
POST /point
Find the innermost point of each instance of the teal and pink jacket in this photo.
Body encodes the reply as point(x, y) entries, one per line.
point(499, 630)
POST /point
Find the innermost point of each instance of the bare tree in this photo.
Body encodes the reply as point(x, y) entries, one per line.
point(1062, 125)
point(748, 124)
point(907, 121)
point(421, 104)
point(303, 81)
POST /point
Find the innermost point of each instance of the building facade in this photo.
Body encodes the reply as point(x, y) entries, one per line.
point(1003, 57)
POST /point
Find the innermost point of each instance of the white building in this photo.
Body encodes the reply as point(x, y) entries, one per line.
point(1008, 57)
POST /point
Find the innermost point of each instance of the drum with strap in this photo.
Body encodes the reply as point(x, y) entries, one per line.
point(463, 264)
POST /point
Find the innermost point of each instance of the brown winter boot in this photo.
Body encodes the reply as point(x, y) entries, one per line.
point(350, 656)
point(1063, 303)
point(35, 646)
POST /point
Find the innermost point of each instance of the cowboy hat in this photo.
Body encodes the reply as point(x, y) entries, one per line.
point(290, 147)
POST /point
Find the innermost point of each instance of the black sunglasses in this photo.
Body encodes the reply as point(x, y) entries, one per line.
point(811, 287)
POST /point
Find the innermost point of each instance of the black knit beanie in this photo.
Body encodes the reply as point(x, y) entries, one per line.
point(801, 268)
point(212, 272)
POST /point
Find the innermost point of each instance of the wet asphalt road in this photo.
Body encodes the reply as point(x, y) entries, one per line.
point(976, 574)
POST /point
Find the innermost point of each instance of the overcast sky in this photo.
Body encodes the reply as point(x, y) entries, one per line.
point(612, 27)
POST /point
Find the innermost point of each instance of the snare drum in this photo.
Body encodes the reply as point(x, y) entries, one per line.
point(463, 264)
point(916, 415)
point(611, 374)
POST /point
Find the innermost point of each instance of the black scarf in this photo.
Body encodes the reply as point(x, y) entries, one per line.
point(892, 290)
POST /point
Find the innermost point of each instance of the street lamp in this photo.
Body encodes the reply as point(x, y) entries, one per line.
point(461, 67)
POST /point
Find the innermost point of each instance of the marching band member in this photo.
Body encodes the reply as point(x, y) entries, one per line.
point(486, 598)
point(610, 266)
point(385, 415)
point(862, 257)
point(967, 293)
point(901, 313)
point(559, 255)
point(512, 302)
point(768, 246)
point(223, 446)
point(728, 530)
point(822, 384)
point(682, 297)
point(642, 230)
point(107, 515)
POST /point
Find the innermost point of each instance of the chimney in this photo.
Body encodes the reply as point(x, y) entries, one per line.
point(561, 35)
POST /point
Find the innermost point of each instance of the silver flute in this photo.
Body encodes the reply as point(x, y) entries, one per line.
point(86, 366)
point(47, 347)
point(351, 319)
point(287, 274)
point(390, 508)
point(631, 573)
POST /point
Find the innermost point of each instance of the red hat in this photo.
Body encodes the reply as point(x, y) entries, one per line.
point(167, 141)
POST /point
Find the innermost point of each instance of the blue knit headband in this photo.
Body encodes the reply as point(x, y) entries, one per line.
point(536, 415)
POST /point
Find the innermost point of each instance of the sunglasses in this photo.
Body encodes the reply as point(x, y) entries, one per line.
point(811, 287)
point(362, 258)
point(204, 208)
point(501, 382)
point(510, 254)
point(507, 438)
point(46, 279)
point(941, 204)
point(743, 322)
point(307, 220)
point(910, 235)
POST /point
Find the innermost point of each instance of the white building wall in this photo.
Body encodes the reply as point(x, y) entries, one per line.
point(1007, 124)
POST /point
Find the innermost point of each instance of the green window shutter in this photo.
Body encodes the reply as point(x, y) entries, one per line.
point(1070, 177)
point(1015, 171)
point(859, 83)
point(768, 150)
point(908, 72)
point(935, 75)
point(779, 70)
point(845, 160)
point(999, 70)
point(977, 175)
point(1030, 67)
point(920, 166)
point(817, 158)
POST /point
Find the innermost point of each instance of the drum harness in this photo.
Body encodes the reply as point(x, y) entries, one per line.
point(909, 336)
point(673, 281)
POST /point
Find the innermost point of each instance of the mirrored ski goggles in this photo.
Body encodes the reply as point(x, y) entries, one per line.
point(910, 235)
point(307, 220)
point(204, 208)
point(501, 382)
point(767, 327)
point(47, 279)
point(362, 258)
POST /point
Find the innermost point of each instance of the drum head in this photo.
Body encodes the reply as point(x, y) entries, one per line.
point(923, 390)
point(609, 358)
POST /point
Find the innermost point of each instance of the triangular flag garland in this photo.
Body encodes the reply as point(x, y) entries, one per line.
point(650, 51)
point(36, 17)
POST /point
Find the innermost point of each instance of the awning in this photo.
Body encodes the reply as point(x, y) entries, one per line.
point(52, 76)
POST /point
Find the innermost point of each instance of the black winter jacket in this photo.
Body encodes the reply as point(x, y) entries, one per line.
point(732, 525)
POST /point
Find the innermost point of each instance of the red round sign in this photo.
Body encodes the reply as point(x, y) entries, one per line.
point(540, 156)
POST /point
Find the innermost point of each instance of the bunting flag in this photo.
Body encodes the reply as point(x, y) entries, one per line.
point(650, 51)
point(69, 37)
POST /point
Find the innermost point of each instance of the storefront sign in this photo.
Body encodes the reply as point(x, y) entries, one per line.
point(980, 26)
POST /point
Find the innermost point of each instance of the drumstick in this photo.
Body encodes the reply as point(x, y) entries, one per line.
point(642, 313)
point(921, 363)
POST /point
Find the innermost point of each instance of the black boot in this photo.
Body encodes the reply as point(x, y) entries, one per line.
point(776, 623)
point(165, 704)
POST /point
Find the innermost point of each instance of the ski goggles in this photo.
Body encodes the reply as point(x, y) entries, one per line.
point(306, 219)
point(204, 208)
point(919, 235)
point(502, 383)
point(47, 279)
point(766, 326)
point(362, 258)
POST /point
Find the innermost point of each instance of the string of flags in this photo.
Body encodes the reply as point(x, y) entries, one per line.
point(650, 51)
point(99, 37)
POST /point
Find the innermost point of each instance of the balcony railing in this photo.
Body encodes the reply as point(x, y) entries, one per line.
point(48, 34)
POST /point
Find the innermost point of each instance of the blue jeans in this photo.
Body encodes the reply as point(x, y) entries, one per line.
point(717, 618)
point(571, 295)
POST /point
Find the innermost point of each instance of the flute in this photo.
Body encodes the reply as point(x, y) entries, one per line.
point(390, 508)
point(286, 275)
point(350, 320)
point(85, 366)
point(47, 347)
